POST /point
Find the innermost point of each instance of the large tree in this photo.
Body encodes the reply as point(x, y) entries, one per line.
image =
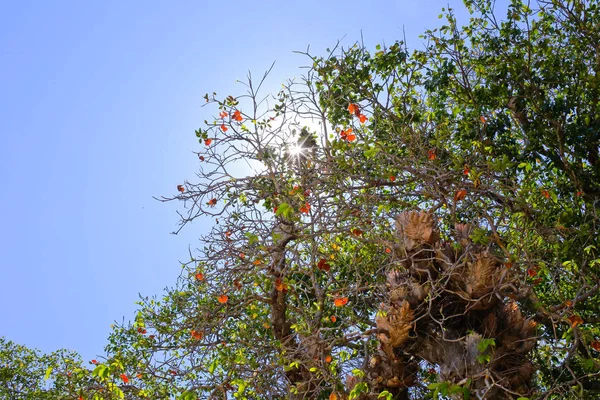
point(395, 224)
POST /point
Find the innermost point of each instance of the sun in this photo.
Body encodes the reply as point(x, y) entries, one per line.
point(296, 150)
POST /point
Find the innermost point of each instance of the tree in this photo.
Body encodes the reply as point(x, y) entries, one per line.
point(395, 224)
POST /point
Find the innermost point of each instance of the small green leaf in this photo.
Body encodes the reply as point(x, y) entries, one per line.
point(187, 395)
point(48, 372)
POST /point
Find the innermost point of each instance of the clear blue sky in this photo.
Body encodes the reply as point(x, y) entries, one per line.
point(98, 105)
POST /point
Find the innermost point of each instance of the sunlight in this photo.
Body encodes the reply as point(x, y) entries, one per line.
point(296, 150)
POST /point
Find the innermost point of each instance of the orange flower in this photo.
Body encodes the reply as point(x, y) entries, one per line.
point(328, 359)
point(333, 396)
point(362, 118)
point(388, 250)
point(223, 298)
point(482, 119)
point(323, 265)
point(575, 320)
point(531, 272)
point(223, 114)
point(212, 202)
point(94, 362)
point(354, 109)
point(340, 301)
point(459, 195)
point(347, 134)
point(196, 335)
point(466, 170)
point(141, 330)
point(392, 178)
point(305, 208)
point(200, 276)
point(280, 286)
point(431, 154)
point(546, 194)
point(207, 142)
point(257, 262)
point(595, 345)
point(237, 115)
point(139, 375)
point(333, 318)
point(124, 378)
point(180, 188)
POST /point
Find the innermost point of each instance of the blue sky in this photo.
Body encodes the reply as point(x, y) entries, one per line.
point(99, 101)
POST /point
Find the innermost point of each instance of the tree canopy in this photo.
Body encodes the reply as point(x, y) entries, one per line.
point(396, 224)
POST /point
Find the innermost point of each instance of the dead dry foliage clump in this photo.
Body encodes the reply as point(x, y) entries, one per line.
point(449, 304)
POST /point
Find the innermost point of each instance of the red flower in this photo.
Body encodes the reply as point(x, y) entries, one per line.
point(237, 115)
point(362, 118)
point(124, 378)
point(340, 301)
point(431, 154)
point(196, 335)
point(180, 188)
point(354, 109)
point(223, 114)
point(224, 128)
point(348, 135)
point(459, 195)
point(356, 232)
point(222, 299)
point(323, 265)
point(208, 142)
point(305, 208)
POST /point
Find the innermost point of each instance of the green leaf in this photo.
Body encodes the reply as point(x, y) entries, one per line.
point(48, 372)
point(187, 395)
point(213, 366)
point(386, 394)
point(284, 210)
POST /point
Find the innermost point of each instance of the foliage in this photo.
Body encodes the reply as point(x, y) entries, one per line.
point(304, 289)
